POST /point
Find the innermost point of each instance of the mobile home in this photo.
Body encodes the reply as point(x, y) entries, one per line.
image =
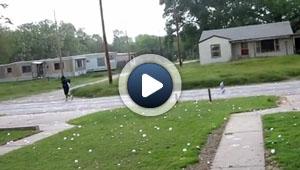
point(123, 58)
point(97, 61)
point(28, 70)
point(16, 71)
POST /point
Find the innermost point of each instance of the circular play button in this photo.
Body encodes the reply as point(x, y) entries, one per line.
point(150, 85)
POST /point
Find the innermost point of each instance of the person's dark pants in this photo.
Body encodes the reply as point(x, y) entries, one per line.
point(66, 90)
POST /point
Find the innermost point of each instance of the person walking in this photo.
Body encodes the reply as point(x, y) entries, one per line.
point(66, 84)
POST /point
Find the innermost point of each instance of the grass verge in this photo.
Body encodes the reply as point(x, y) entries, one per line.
point(120, 139)
point(96, 90)
point(282, 139)
point(14, 135)
point(242, 72)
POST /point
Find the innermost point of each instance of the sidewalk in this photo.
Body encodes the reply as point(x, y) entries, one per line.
point(242, 144)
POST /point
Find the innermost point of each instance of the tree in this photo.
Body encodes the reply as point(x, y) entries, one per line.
point(70, 45)
point(189, 39)
point(147, 44)
point(33, 41)
point(282, 10)
point(6, 45)
point(120, 43)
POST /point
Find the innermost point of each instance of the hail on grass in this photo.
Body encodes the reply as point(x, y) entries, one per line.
point(273, 151)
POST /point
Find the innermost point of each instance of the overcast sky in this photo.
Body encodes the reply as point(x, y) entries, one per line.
point(135, 16)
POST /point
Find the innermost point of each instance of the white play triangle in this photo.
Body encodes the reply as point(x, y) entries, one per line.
point(150, 85)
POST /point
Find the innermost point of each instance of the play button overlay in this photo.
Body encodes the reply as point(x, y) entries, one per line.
point(150, 85)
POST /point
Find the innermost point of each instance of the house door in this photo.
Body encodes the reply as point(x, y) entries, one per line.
point(40, 70)
point(297, 43)
point(244, 50)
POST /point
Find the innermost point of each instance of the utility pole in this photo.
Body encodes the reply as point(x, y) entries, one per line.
point(177, 33)
point(160, 46)
point(128, 46)
point(61, 66)
point(105, 45)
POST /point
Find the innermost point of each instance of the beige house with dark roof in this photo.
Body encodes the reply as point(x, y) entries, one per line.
point(223, 45)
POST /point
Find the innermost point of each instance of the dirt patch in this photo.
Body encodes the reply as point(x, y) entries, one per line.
point(270, 163)
point(283, 101)
point(33, 128)
point(209, 151)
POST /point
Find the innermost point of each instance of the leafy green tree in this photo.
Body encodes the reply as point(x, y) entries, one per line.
point(282, 10)
point(70, 44)
point(33, 41)
point(121, 42)
point(148, 44)
point(6, 45)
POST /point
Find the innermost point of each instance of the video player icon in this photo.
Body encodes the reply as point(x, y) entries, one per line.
point(150, 85)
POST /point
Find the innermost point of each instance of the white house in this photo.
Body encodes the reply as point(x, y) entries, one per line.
point(223, 45)
point(97, 61)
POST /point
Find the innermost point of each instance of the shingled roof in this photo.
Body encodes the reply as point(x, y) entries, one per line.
point(251, 32)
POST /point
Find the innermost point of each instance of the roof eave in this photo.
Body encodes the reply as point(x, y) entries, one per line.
point(262, 38)
point(212, 37)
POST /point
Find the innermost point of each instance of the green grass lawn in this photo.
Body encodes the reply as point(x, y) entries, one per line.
point(12, 90)
point(282, 136)
point(13, 135)
point(120, 139)
point(235, 73)
point(98, 90)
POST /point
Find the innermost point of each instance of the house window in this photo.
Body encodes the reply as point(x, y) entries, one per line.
point(244, 49)
point(215, 51)
point(100, 62)
point(9, 70)
point(267, 46)
point(79, 63)
point(57, 66)
point(26, 69)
